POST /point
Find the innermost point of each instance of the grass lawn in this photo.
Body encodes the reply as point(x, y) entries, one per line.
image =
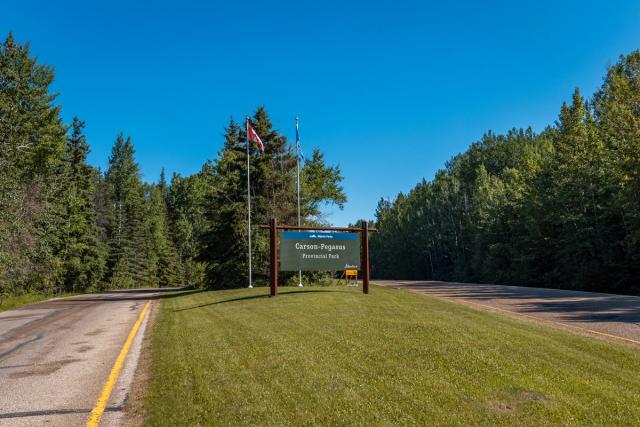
point(332, 356)
point(7, 303)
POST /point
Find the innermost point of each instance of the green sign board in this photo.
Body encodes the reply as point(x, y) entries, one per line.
point(319, 251)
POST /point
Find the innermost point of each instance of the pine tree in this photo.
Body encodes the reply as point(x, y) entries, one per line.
point(320, 184)
point(31, 147)
point(81, 249)
point(127, 263)
point(224, 243)
point(575, 196)
point(162, 185)
point(617, 114)
point(161, 253)
point(187, 200)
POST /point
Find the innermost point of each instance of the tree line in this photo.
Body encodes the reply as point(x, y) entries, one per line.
point(66, 226)
point(559, 208)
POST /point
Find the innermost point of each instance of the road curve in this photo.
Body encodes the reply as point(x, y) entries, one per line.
point(55, 357)
point(608, 316)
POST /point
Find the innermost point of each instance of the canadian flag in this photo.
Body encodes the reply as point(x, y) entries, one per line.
point(253, 136)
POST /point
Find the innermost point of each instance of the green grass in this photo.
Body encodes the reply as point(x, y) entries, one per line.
point(332, 356)
point(7, 303)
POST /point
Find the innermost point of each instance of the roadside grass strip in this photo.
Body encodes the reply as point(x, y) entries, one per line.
point(332, 356)
point(98, 409)
point(11, 302)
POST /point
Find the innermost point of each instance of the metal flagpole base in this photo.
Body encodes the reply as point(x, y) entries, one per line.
point(299, 285)
point(250, 287)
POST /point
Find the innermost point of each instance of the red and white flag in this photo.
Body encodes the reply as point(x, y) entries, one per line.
point(253, 136)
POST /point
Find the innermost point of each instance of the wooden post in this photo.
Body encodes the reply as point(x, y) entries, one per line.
point(273, 245)
point(365, 257)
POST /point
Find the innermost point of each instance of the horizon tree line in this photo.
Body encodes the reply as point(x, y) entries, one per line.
point(559, 208)
point(67, 227)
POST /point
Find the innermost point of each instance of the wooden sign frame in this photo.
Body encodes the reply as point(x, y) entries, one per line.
point(273, 228)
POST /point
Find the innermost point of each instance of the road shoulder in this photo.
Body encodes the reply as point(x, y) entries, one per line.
point(133, 413)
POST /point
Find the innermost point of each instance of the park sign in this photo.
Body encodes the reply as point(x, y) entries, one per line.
point(313, 248)
point(319, 251)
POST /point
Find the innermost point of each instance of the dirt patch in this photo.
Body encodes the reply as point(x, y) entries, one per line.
point(530, 396)
point(519, 398)
point(43, 369)
point(502, 407)
point(134, 406)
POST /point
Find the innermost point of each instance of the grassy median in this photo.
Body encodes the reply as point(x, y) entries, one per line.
point(332, 356)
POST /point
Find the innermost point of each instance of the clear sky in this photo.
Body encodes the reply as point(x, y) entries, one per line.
point(390, 90)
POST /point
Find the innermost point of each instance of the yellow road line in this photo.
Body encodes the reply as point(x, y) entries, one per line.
point(98, 409)
point(539, 319)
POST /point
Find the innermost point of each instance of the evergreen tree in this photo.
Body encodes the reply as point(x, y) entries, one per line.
point(556, 209)
point(187, 199)
point(617, 114)
point(81, 249)
point(576, 195)
point(161, 254)
point(162, 186)
point(31, 147)
point(127, 263)
point(320, 185)
point(559, 208)
point(225, 241)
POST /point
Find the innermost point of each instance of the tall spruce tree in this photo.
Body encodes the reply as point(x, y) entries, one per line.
point(162, 186)
point(225, 241)
point(188, 198)
point(127, 263)
point(617, 114)
point(31, 147)
point(576, 196)
point(162, 260)
point(81, 250)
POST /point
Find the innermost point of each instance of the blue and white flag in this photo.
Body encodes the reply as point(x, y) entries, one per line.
point(298, 148)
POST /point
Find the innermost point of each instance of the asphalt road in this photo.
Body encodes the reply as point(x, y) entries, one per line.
point(55, 357)
point(612, 317)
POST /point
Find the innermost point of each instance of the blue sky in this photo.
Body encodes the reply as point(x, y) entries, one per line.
point(390, 90)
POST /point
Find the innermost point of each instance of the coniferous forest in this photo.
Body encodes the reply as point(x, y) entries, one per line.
point(560, 208)
point(66, 226)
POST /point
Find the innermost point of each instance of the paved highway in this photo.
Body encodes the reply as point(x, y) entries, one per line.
point(56, 357)
point(612, 317)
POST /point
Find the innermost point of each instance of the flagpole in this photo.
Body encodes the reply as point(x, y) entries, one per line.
point(298, 185)
point(248, 200)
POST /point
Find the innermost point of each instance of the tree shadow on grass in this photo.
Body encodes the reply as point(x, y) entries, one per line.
point(262, 296)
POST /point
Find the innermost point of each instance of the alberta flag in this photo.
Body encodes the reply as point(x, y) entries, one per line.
point(298, 148)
